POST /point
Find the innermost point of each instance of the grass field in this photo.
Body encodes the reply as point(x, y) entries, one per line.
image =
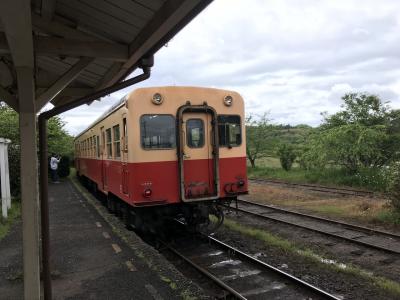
point(270, 167)
point(13, 214)
point(368, 211)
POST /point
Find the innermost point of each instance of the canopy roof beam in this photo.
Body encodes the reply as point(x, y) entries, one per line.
point(11, 100)
point(16, 18)
point(165, 24)
point(61, 30)
point(62, 82)
point(48, 8)
point(54, 46)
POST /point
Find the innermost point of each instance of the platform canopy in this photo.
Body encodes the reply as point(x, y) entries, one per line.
point(63, 50)
point(80, 46)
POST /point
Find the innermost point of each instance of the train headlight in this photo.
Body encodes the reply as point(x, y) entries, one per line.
point(228, 100)
point(157, 99)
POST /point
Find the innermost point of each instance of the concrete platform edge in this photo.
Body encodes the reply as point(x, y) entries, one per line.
point(166, 271)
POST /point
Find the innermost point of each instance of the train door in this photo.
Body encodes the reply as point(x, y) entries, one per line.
point(198, 153)
point(103, 162)
point(124, 157)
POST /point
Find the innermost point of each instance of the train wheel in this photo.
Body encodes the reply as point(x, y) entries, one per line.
point(110, 204)
point(210, 227)
point(126, 217)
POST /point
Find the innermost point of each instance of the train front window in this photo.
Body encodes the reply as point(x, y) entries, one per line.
point(195, 133)
point(157, 131)
point(229, 131)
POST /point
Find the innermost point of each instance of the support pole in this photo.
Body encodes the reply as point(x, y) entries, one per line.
point(8, 193)
point(44, 195)
point(44, 208)
point(4, 204)
point(29, 183)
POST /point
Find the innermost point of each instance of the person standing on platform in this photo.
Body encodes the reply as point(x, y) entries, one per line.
point(54, 161)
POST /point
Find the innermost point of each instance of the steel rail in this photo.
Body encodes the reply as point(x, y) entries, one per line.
point(206, 273)
point(319, 188)
point(272, 268)
point(250, 259)
point(353, 226)
point(343, 224)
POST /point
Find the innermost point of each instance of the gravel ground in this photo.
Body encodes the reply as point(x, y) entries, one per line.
point(338, 283)
point(375, 261)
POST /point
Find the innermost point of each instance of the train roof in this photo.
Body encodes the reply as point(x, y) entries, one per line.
point(122, 101)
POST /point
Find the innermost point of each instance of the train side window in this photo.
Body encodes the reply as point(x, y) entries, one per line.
point(103, 142)
point(124, 135)
point(109, 143)
point(157, 132)
point(90, 146)
point(229, 131)
point(98, 145)
point(117, 145)
point(195, 133)
point(94, 146)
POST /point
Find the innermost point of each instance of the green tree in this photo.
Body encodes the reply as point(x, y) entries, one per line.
point(9, 129)
point(394, 185)
point(59, 141)
point(287, 156)
point(365, 134)
point(260, 138)
point(360, 108)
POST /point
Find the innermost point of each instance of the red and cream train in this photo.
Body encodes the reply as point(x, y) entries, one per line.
point(167, 152)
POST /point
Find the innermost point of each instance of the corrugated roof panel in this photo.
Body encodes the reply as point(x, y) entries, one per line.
point(97, 69)
point(151, 4)
point(106, 64)
point(111, 31)
point(117, 23)
point(117, 12)
point(94, 69)
point(135, 9)
point(90, 75)
point(59, 67)
point(52, 65)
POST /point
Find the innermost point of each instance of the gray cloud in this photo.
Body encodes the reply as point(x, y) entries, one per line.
point(294, 59)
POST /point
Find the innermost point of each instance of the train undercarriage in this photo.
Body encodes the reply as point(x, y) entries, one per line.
point(201, 216)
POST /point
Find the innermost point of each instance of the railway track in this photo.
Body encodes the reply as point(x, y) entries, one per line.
point(240, 275)
point(318, 188)
point(377, 239)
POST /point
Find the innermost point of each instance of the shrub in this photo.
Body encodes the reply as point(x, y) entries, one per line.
point(286, 156)
point(394, 185)
point(63, 166)
point(14, 168)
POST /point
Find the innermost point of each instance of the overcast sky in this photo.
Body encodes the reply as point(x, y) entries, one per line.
point(293, 59)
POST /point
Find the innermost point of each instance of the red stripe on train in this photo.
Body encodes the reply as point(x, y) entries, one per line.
point(129, 181)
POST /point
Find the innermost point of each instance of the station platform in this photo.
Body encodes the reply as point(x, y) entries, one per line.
point(92, 255)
